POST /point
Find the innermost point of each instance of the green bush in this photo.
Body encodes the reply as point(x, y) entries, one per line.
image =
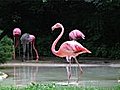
point(6, 49)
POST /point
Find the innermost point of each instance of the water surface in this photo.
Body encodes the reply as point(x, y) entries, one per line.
point(93, 75)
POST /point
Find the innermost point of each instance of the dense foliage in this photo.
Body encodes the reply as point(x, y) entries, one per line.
point(6, 49)
point(97, 19)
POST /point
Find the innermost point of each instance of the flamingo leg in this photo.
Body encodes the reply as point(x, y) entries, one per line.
point(19, 47)
point(37, 56)
point(28, 51)
point(24, 50)
point(80, 68)
point(14, 54)
point(31, 52)
point(68, 68)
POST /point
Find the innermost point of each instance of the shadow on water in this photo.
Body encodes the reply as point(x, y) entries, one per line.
point(93, 76)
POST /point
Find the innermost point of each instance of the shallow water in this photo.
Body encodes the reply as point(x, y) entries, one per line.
point(100, 75)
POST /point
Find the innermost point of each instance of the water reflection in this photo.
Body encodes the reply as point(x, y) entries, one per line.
point(25, 75)
point(92, 76)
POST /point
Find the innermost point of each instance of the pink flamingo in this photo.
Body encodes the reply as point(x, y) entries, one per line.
point(16, 35)
point(68, 49)
point(76, 34)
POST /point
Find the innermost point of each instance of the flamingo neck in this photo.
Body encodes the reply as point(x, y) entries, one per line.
point(56, 41)
point(17, 41)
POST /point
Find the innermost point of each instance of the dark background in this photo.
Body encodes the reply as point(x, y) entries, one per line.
point(98, 20)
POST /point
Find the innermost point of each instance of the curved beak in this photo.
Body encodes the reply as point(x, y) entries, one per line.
point(52, 28)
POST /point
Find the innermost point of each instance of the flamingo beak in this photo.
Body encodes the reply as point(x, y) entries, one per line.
point(52, 28)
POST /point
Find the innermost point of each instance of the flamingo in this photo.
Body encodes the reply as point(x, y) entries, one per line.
point(68, 49)
point(16, 35)
point(26, 39)
point(76, 34)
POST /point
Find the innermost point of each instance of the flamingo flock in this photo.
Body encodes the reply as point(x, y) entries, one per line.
point(25, 40)
point(68, 49)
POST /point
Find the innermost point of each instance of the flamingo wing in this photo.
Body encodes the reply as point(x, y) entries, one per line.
point(71, 48)
point(75, 47)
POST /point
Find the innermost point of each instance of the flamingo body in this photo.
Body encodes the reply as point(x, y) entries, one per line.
point(71, 49)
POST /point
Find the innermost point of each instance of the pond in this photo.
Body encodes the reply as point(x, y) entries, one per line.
point(93, 75)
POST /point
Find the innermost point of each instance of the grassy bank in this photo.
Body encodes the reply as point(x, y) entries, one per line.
point(56, 87)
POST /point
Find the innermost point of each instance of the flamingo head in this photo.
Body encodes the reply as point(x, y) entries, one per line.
point(31, 38)
point(76, 34)
point(57, 25)
point(16, 32)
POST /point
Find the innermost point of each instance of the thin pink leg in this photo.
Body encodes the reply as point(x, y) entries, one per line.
point(37, 56)
point(68, 68)
point(80, 68)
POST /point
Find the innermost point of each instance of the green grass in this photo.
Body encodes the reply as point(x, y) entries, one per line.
point(56, 87)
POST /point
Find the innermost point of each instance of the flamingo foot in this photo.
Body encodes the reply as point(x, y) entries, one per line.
point(37, 58)
point(77, 80)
